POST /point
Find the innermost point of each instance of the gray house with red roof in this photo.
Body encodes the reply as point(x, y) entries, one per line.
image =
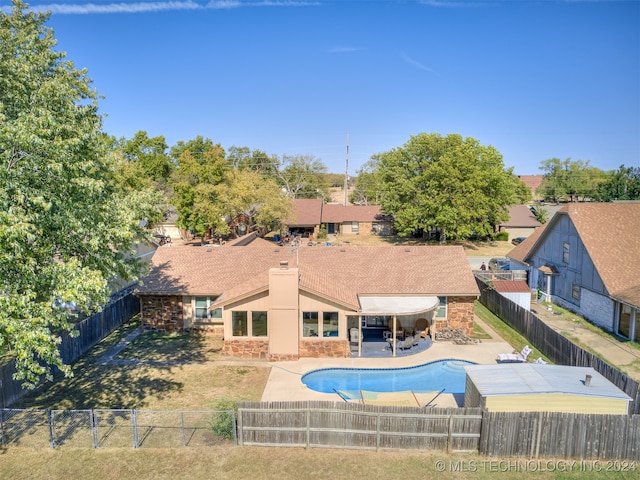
point(283, 303)
point(587, 259)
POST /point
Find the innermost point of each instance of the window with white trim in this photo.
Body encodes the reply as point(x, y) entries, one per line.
point(201, 308)
point(565, 252)
point(239, 327)
point(442, 308)
point(310, 324)
point(355, 227)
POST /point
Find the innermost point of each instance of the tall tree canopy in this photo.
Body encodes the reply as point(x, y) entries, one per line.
point(66, 226)
point(622, 184)
point(447, 183)
point(303, 176)
point(568, 179)
point(367, 190)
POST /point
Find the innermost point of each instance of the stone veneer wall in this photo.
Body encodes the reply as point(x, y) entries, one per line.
point(253, 348)
point(325, 348)
point(246, 348)
point(162, 312)
point(460, 314)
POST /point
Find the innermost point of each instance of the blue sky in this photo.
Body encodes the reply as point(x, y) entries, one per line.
point(535, 79)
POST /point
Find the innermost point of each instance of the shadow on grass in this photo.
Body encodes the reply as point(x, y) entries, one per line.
point(172, 348)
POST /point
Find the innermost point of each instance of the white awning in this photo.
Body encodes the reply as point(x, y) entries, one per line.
point(397, 305)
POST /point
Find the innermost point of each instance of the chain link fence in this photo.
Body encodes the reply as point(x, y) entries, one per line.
point(117, 428)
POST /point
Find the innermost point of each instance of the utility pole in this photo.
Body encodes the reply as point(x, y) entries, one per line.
point(346, 175)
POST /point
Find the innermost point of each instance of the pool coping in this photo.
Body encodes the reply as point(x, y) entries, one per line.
point(284, 382)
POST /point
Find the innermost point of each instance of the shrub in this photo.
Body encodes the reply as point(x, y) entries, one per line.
point(222, 423)
point(502, 236)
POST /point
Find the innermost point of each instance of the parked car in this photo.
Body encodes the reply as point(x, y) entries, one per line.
point(497, 264)
point(518, 240)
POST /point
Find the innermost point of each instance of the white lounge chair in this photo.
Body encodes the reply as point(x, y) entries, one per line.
point(515, 357)
point(540, 361)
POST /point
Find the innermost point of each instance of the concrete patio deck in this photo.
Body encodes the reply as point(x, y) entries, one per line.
point(284, 383)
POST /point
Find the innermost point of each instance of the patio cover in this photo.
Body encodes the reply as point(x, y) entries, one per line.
point(390, 305)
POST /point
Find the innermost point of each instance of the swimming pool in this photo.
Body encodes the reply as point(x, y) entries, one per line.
point(433, 376)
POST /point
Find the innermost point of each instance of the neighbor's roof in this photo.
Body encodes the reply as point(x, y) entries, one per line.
point(336, 213)
point(307, 212)
point(511, 286)
point(609, 232)
point(531, 378)
point(532, 181)
point(336, 273)
point(521, 216)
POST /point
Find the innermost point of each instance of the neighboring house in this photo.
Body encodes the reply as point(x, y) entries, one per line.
point(312, 214)
point(307, 216)
point(587, 259)
point(355, 219)
point(522, 222)
point(283, 303)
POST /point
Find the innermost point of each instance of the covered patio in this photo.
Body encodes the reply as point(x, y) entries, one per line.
point(390, 326)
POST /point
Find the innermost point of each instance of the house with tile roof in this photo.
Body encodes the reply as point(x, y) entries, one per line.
point(312, 214)
point(283, 303)
point(587, 259)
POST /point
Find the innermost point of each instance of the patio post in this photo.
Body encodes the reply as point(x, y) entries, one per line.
point(359, 335)
point(395, 319)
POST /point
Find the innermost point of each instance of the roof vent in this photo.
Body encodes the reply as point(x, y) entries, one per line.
point(587, 380)
point(407, 249)
point(342, 249)
point(284, 265)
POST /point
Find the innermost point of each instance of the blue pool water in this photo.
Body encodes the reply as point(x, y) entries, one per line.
point(434, 376)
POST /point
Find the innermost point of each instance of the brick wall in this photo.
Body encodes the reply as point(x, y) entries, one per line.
point(253, 348)
point(162, 312)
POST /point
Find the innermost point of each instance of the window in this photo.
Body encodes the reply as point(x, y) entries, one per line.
point(309, 324)
point(330, 324)
point(575, 292)
point(259, 324)
point(239, 324)
point(201, 308)
point(565, 252)
point(442, 308)
point(355, 226)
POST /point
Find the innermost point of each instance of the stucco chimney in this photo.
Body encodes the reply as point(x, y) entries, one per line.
point(284, 264)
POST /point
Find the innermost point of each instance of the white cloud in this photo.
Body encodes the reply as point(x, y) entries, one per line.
point(415, 63)
point(143, 7)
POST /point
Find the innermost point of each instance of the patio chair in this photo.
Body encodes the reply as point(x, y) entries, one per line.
point(422, 328)
point(354, 337)
point(406, 343)
point(515, 357)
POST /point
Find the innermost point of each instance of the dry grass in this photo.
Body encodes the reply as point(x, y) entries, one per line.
point(193, 376)
point(274, 463)
point(158, 372)
point(473, 249)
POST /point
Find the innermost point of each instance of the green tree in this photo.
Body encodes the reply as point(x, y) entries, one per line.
point(150, 154)
point(197, 196)
point(568, 180)
point(451, 185)
point(622, 184)
point(242, 158)
point(303, 176)
point(260, 201)
point(66, 226)
point(368, 185)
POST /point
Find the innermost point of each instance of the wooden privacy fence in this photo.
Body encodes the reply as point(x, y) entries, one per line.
point(357, 426)
point(122, 307)
point(560, 435)
point(552, 344)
